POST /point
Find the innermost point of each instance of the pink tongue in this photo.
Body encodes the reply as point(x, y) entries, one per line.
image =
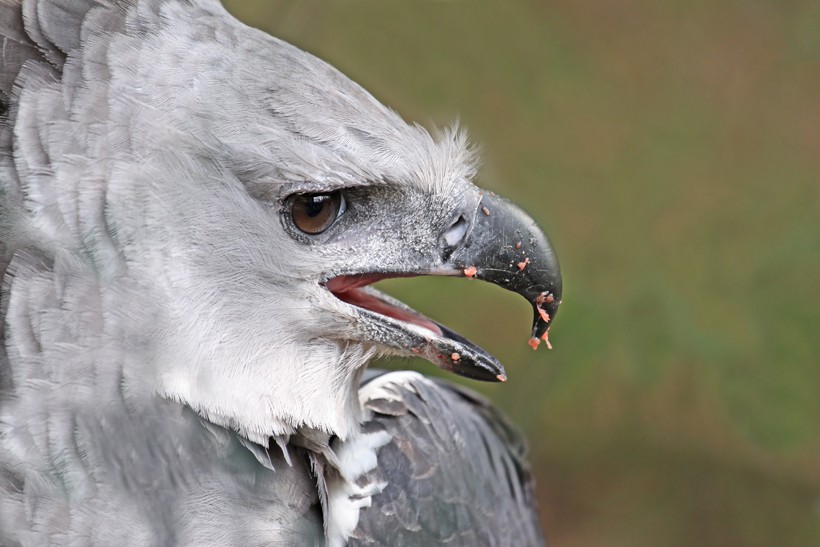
point(344, 288)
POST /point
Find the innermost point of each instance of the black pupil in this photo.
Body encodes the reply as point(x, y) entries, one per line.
point(315, 205)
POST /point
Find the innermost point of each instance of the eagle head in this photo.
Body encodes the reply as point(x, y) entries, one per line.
point(235, 198)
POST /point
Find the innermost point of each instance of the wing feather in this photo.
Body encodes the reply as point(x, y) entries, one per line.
point(454, 469)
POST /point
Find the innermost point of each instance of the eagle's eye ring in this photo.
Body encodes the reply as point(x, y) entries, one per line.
point(315, 213)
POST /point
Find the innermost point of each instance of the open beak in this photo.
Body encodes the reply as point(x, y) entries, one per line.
point(500, 244)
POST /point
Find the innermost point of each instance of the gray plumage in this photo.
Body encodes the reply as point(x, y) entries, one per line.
point(175, 367)
point(439, 489)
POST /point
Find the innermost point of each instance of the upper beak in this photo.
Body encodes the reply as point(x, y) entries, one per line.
point(506, 247)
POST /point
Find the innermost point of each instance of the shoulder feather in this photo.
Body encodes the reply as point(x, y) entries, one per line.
point(454, 469)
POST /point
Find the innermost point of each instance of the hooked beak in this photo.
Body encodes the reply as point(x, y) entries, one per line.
point(500, 244)
point(507, 248)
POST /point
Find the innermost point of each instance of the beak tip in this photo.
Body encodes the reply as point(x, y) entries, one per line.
point(545, 306)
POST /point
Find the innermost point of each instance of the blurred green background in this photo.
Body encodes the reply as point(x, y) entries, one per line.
point(671, 150)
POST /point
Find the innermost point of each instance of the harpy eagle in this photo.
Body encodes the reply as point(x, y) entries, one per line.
point(191, 214)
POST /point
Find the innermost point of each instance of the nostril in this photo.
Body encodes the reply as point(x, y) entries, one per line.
point(454, 235)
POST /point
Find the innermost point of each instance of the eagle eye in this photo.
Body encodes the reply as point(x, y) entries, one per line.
point(315, 213)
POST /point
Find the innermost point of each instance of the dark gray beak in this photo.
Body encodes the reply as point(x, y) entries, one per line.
point(490, 239)
point(507, 248)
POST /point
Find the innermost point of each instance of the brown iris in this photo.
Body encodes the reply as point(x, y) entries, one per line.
point(314, 213)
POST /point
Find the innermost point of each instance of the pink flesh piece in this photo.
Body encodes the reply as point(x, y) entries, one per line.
point(345, 288)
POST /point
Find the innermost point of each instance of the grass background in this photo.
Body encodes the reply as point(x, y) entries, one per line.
point(672, 152)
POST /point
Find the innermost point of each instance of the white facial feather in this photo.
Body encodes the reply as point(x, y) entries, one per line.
point(141, 166)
